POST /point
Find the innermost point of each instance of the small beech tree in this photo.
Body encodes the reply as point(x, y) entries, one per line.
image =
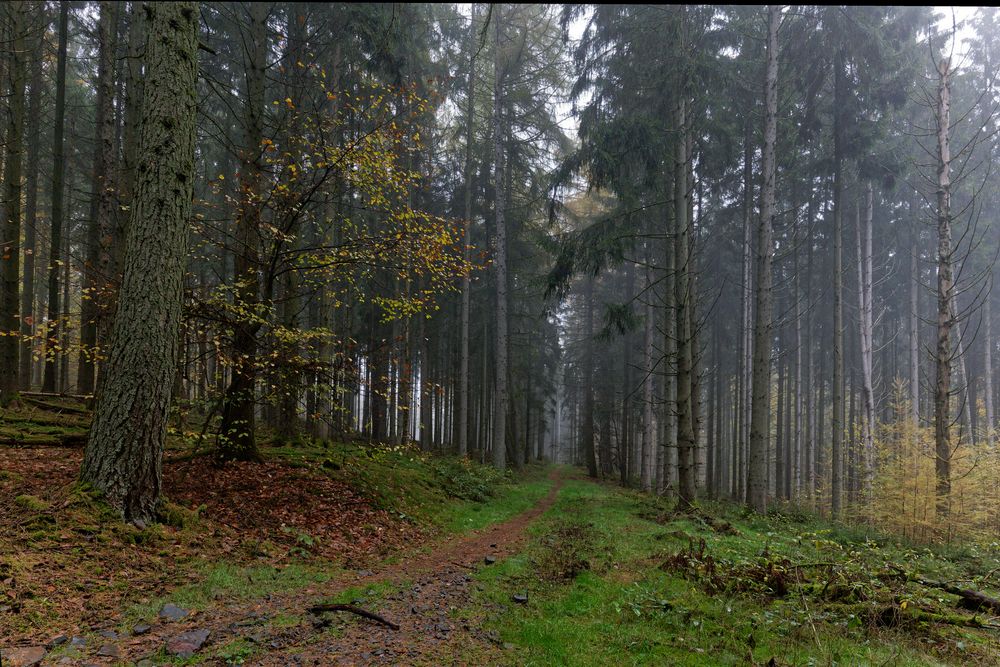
point(360, 144)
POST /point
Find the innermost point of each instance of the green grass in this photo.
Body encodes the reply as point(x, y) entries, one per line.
point(445, 492)
point(221, 580)
point(509, 500)
point(597, 594)
point(368, 594)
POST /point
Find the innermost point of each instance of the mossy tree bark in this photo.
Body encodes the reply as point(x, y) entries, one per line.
point(124, 451)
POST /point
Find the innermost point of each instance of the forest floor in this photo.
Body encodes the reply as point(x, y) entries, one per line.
point(470, 566)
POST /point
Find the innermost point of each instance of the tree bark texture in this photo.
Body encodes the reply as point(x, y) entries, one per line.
point(123, 455)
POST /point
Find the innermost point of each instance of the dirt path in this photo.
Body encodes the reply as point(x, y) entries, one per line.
point(437, 578)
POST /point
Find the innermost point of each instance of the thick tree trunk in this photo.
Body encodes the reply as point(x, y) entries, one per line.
point(10, 242)
point(761, 401)
point(123, 455)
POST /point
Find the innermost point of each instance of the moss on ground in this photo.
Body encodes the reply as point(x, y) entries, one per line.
point(612, 577)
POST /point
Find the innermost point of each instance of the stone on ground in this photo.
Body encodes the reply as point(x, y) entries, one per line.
point(22, 656)
point(173, 612)
point(187, 644)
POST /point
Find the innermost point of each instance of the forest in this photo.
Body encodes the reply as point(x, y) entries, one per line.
point(416, 333)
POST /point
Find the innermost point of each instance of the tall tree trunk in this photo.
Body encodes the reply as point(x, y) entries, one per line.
point(625, 441)
point(798, 457)
point(10, 242)
point(988, 370)
point(648, 427)
point(836, 453)
point(237, 438)
point(291, 375)
point(715, 438)
point(500, 257)
point(746, 330)
point(686, 435)
point(96, 299)
point(587, 428)
point(943, 355)
point(914, 330)
point(66, 333)
point(812, 441)
point(863, 247)
point(463, 373)
point(780, 418)
point(40, 27)
point(134, 83)
point(123, 455)
point(761, 400)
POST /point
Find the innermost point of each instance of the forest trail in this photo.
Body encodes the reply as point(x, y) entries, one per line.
point(423, 587)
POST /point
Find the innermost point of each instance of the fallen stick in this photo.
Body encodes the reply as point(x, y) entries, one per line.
point(320, 608)
point(968, 598)
point(44, 405)
point(64, 440)
point(52, 394)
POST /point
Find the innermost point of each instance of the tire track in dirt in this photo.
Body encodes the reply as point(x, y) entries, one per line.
point(440, 582)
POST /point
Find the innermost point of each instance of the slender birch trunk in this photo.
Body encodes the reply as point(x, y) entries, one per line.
point(943, 354)
point(863, 247)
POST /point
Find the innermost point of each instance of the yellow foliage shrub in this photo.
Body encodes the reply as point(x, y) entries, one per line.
point(903, 496)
